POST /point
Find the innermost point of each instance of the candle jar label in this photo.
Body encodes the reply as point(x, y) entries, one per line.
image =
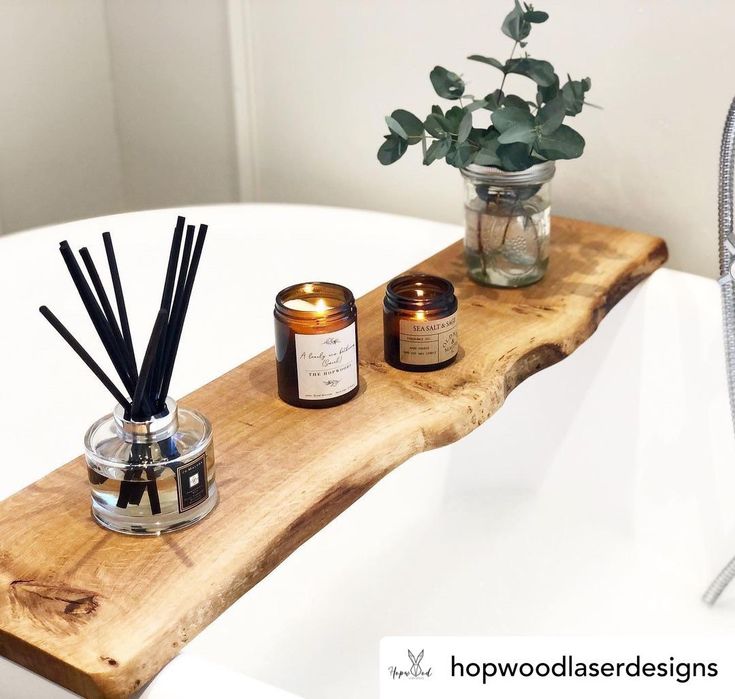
point(428, 341)
point(326, 364)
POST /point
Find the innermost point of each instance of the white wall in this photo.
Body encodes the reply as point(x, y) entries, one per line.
point(112, 105)
point(327, 72)
point(128, 104)
point(58, 152)
point(173, 98)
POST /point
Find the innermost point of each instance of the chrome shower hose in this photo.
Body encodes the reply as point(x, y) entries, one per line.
point(727, 252)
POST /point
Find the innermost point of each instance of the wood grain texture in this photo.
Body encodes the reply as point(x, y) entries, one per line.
point(101, 613)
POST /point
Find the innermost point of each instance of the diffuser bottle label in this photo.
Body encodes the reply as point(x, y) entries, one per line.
point(326, 365)
point(191, 483)
point(424, 342)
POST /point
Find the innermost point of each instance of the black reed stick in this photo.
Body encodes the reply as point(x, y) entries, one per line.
point(85, 357)
point(109, 313)
point(96, 316)
point(152, 489)
point(175, 311)
point(173, 257)
point(146, 367)
point(179, 321)
point(183, 271)
point(119, 296)
point(132, 493)
point(166, 302)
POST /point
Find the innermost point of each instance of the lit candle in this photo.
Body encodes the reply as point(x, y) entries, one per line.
point(316, 345)
point(420, 323)
point(318, 305)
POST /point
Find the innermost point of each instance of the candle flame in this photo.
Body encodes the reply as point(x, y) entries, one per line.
point(420, 315)
point(321, 305)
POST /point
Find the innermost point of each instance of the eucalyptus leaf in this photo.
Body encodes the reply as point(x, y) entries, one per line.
point(546, 93)
point(494, 100)
point(573, 93)
point(453, 118)
point(436, 109)
point(396, 128)
point(392, 149)
point(476, 135)
point(508, 117)
point(515, 156)
point(551, 115)
point(564, 144)
point(461, 154)
point(514, 25)
point(488, 137)
point(435, 125)
point(536, 16)
point(494, 62)
point(488, 155)
point(515, 101)
point(465, 126)
point(446, 84)
point(477, 104)
point(518, 133)
point(412, 126)
point(438, 149)
point(541, 72)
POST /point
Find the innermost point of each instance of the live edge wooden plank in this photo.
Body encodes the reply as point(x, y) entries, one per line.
point(102, 613)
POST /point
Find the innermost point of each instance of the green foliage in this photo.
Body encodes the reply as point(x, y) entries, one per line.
point(392, 149)
point(521, 133)
point(447, 84)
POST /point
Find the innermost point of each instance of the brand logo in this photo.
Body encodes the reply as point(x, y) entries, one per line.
point(414, 672)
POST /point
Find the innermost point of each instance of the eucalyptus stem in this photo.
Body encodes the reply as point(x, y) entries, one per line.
point(507, 226)
point(505, 75)
point(480, 244)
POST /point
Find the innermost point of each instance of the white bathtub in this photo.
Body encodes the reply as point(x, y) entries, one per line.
point(600, 499)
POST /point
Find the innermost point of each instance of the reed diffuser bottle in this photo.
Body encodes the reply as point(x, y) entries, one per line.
point(152, 476)
point(150, 463)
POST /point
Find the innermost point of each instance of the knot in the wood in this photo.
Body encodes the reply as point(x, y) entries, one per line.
point(53, 605)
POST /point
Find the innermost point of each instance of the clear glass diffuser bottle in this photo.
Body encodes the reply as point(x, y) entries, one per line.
point(151, 477)
point(507, 224)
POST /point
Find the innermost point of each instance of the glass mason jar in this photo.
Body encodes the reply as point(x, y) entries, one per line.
point(151, 477)
point(507, 224)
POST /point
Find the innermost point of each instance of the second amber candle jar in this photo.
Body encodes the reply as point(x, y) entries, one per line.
point(420, 323)
point(316, 345)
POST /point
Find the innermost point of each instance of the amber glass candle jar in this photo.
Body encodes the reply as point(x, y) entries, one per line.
point(316, 345)
point(420, 323)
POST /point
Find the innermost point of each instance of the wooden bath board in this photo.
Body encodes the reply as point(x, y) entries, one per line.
point(69, 589)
